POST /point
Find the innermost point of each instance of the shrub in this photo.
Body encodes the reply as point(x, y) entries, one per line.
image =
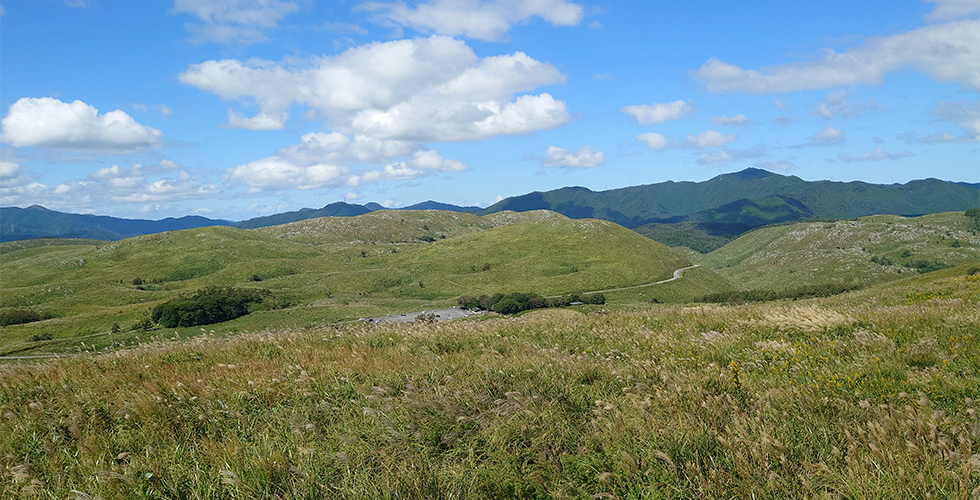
point(924, 266)
point(21, 315)
point(41, 336)
point(207, 306)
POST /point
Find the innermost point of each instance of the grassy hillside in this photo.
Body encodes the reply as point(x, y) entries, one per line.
point(871, 394)
point(800, 254)
point(326, 270)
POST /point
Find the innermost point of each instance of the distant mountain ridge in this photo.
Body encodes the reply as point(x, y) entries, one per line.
point(723, 206)
point(667, 202)
point(36, 221)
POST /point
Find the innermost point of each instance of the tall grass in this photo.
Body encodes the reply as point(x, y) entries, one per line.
point(826, 398)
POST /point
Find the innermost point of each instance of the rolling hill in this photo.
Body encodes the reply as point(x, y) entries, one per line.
point(324, 270)
point(859, 251)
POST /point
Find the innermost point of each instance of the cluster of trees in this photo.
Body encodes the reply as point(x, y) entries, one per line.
point(20, 315)
point(209, 305)
point(804, 292)
point(925, 266)
point(974, 213)
point(922, 266)
point(514, 303)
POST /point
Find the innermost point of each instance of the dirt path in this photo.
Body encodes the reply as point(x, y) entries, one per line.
point(677, 276)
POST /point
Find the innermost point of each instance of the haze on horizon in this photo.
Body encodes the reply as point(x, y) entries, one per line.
point(238, 108)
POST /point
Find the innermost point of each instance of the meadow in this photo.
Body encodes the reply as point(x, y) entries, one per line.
point(868, 394)
point(99, 295)
point(857, 252)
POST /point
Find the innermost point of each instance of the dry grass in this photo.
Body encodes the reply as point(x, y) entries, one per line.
point(815, 399)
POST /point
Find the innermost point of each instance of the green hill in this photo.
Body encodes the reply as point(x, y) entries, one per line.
point(859, 251)
point(710, 229)
point(666, 202)
point(325, 270)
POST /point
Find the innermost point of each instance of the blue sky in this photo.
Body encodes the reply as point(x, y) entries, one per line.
point(238, 108)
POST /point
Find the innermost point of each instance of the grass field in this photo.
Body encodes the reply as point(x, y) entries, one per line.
point(330, 269)
point(869, 394)
point(813, 253)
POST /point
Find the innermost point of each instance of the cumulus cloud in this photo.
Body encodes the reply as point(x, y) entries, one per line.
point(709, 139)
point(727, 155)
point(878, 155)
point(323, 159)
point(239, 22)
point(961, 113)
point(432, 89)
point(836, 103)
point(584, 157)
point(278, 174)
point(161, 183)
point(51, 123)
point(825, 137)
point(774, 165)
point(734, 121)
point(946, 52)
point(646, 114)
point(947, 10)
point(488, 20)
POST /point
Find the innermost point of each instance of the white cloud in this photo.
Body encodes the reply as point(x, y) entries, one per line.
point(323, 159)
point(431, 89)
point(646, 114)
point(585, 157)
point(653, 140)
point(276, 174)
point(946, 52)
point(878, 155)
point(907, 137)
point(709, 139)
point(947, 10)
point(725, 156)
point(431, 160)
point(162, 109)
point(944, 137)
point(961, 113)
point(825, 137)
point(734, 121)
point(115, 184)
point(480, 19)
point(233, 21)
point(774, 165)
point(48, 122)
point(836, 103)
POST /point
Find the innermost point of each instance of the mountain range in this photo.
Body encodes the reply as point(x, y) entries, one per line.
point(702, 215)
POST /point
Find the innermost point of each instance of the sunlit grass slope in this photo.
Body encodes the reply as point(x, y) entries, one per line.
point(547, 257)
point(812, 253)
point(871, 394)
point(329, 270)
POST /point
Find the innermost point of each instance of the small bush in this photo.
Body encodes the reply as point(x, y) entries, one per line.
point(21, 315)
point(41, 336)
point(207, 306)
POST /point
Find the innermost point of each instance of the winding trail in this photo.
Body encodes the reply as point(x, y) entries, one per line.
point(677, 276)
